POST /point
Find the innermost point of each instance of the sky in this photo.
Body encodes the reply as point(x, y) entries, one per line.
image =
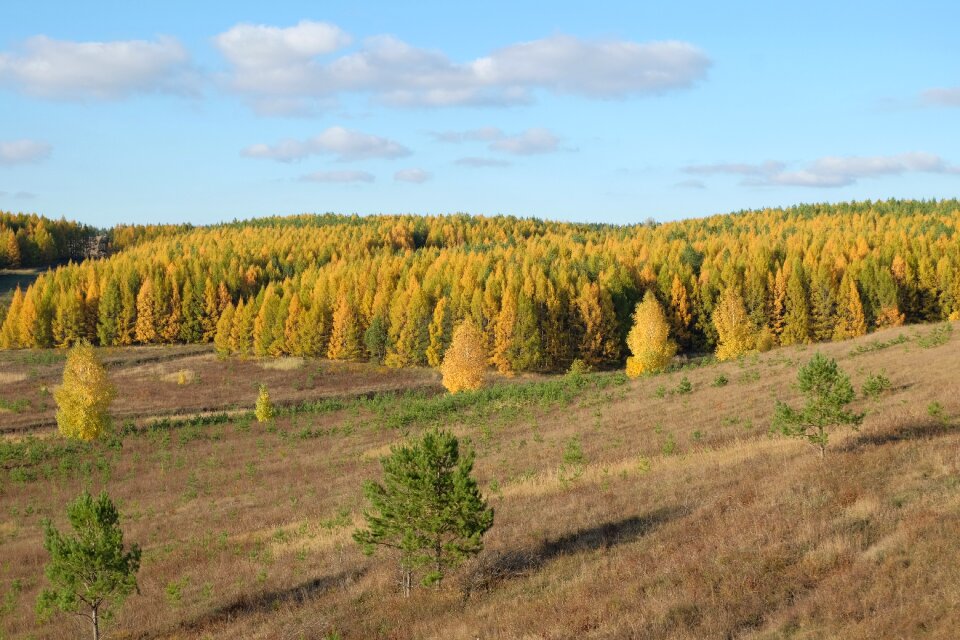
point(176, 111)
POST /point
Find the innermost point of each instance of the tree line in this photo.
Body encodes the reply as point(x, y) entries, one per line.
point(392, 288)
point(30, 240)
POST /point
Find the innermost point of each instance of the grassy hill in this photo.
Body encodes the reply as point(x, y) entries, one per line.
point(686, 519)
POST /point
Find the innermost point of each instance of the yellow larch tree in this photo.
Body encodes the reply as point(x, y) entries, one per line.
point(465, 359)
point(649, 338)
point(83, 400)
point(735, 331)
point(145, 330)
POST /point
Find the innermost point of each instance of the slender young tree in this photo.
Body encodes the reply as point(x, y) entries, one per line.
point(91, 571)
point(827, 391)
point(735, 331)
point(428, 508)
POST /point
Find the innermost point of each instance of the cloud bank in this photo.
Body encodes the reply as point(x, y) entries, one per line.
point(345, 145)
point(295, 66)
point(23, 151)
point(829, 171)
point(68, 70)
point(338, 176)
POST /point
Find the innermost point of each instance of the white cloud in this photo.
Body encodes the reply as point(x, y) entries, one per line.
point(529, 142)
point(477, 163)
point(23, 151)
point(270, 63)
point(417, 176)
point(942, 97)
point(345, 144)
point(338, 176)
point(264, 47)
point(830, 171)
point(736, 168)
point(63, 69)
point(483, 134)
point(690, 184)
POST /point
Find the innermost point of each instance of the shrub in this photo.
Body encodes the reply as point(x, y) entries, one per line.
point(720, 381)
point(875, 384)
point(684, 387)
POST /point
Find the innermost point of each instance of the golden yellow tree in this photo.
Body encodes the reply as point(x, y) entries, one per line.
point(465, 359)
point(680, 307)
point(145, 330)
point(263, 410)
point(735, 330)
point(851, 322)
point(649, 338)
point(345, 334)
point(10, 331)
point(84, 398)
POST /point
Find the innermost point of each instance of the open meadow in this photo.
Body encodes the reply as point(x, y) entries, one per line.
point(624, 508)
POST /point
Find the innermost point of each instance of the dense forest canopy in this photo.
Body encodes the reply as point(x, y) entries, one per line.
point(543, 293)
point(29, 240)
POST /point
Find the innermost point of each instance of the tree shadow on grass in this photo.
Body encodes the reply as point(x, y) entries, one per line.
point(493, 568)
point(919, 430)
point(265, 602)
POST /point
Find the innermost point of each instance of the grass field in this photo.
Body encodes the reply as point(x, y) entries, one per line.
point(687, 519)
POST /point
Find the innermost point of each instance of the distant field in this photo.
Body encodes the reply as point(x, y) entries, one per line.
point(689, 519)
point(10, 279)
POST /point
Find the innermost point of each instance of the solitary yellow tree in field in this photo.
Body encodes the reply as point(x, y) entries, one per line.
point(465, 359)
point(649, 339)
point(734, 327)
point(85, 395)
point(263, 410)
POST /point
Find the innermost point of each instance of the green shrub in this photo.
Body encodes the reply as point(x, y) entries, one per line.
point(875, 384)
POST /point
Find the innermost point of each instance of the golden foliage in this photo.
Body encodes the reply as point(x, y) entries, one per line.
point(735, 331)
point(465, 359)
point(84, 397)
point(649, 339)
point(263, 410)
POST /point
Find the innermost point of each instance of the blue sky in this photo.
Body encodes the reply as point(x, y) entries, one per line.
point(603, 111)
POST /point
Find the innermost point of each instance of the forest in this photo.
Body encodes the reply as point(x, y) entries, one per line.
point(392, 288)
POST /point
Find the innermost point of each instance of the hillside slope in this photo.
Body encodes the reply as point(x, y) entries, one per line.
point(688, 518)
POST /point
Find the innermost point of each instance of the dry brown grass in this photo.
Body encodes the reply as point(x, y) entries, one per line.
point(732, 533)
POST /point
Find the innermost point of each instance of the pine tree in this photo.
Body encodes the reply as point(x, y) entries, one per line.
point(83, 400)
point(211, 310)
point(91, 571)
point(376, 339)
point(440, 331)
point(192, 314)
point(108, 312)
point(465, 359)
point(778, 303)
point(649, 339)
point(503, 330)
point(344, 334)
point(145, 329)
point(796, 328)
point(828, 391)
point(241, 335)
point(222, 338)
point(10, 331)
point(851, 322)
point(429, 508)
point(680, 316)
point(736, 332)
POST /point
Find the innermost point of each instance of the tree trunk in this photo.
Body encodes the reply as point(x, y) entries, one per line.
point(96, 624)
point(405, 581)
